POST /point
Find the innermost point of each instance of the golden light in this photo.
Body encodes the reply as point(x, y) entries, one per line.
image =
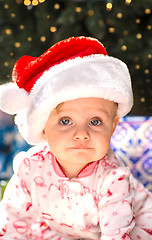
point(48, 16)
point(35, 2)
point(90, 12)
point(149, 56)
point(13, 15)
point(146, 71)
point(21, 27)
point(125, 32)
point(27, 2)
point(42, 38)
point(29, 39)
point(137, 66)
point(17, 44)
point(8, 31)
point(142, 99)
point(109, 6)
point(137, 20)
point(111, 29)
point(56, 6)
point(6, 64)
point(149, 27)
point(78, 9)
point(6, 6)
point(127, 2)
point(53, 29)
point(11, 54)
point(139, 36)
point(119, 15)
point(124, 48)
point(147, 11)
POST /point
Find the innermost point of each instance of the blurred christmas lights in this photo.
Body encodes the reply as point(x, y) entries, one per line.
point(33, 2)
point(109, 6)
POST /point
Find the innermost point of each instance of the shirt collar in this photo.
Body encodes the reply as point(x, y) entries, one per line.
point(85, 172)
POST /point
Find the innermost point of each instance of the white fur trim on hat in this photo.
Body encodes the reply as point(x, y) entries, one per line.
point(13, 99)
point(92, 76)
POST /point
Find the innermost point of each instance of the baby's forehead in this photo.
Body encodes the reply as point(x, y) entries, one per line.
point(88, 104)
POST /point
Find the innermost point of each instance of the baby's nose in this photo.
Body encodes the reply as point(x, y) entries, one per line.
point(81, 133)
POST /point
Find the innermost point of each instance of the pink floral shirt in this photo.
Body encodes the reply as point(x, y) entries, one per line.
point(104, 202)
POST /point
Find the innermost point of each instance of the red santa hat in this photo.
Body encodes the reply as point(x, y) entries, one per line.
point(77, 67)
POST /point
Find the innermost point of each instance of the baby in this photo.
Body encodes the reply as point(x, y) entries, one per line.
point(71, 185)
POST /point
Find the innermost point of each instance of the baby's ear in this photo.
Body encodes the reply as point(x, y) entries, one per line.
point(115, 123)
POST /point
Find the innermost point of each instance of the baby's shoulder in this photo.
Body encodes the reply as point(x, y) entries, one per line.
point(32, 157)
point(110, 162)
point(111, 169)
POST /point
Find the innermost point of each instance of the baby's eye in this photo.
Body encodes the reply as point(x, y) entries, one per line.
point(95, 122)
point(65, 121)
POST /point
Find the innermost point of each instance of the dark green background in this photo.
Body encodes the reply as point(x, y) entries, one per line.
point(125, 31)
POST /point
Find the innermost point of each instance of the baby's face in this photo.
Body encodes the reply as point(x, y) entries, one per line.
point(79, 131)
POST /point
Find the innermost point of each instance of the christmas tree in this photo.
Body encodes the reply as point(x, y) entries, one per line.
point(30, 27)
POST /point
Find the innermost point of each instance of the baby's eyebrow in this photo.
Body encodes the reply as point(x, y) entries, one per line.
point(101, 111)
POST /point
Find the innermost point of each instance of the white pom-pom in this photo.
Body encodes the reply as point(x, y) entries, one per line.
point(12, 98)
